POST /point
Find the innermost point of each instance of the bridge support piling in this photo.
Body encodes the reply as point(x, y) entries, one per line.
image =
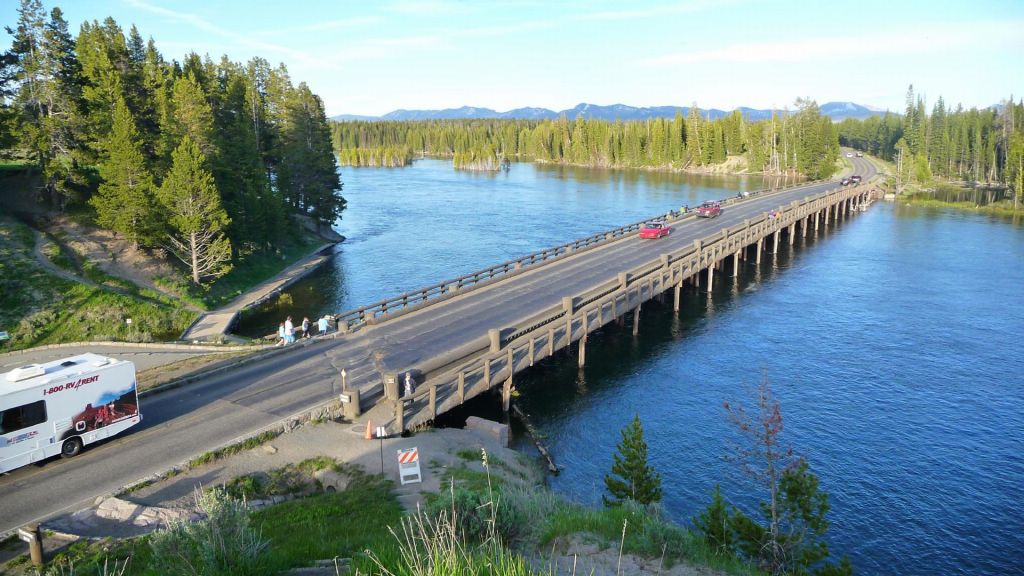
point(533, 343)
point(760, 248)
point(551, 342)
point(711, 277)
point(803, 227)
point(792, 233)
point(736, 264)
point(462, 387)
point(675, 297)
point(636, 320)
point(817, 215)
point(583, 352)
point(775, 242)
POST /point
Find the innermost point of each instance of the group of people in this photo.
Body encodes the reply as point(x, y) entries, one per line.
point(287, 331)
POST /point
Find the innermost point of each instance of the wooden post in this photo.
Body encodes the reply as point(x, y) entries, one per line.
point(400, 416)
point(711, 277)
point(817, 215)
point(433, 401)
point(636, 320)
point(792, 232)
point(583, 351)
point(462, 387)
point(736, 265)
point(495, 337)
point(551, 341)
point(487, 372)
point(506, 394)
point(511, 362)
point(803, 227)
point(775, 242)
point(760, 246)
point(675, 301)
point(532, 344)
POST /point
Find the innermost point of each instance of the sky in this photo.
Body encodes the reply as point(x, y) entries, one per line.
point(371, 57)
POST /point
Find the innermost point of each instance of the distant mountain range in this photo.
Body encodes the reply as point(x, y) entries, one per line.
point(835, 110)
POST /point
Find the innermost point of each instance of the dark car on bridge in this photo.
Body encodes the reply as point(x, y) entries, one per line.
point(655, 229)
point(709, 209)
point(855, 179)
point(845, 182)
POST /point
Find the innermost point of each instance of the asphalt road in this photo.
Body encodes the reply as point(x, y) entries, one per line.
point(182, 423)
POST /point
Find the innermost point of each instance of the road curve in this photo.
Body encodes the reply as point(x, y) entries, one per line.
point(213, 411)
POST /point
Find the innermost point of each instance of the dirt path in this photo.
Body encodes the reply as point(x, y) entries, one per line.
point(116, 257)
point(37, 252)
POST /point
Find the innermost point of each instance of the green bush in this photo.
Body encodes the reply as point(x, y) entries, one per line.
point(223, 542)
point(475, 512)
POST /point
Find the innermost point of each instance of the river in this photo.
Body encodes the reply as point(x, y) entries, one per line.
point(892, 343)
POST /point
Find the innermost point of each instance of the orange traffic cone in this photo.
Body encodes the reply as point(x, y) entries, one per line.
point(369, 433)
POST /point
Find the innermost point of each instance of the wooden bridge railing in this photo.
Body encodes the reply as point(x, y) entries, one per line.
point(415, 299)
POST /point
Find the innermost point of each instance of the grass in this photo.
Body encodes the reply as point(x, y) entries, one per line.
point(248, 444)
point(39, 308)
point(331, 525)
point(1003, 208)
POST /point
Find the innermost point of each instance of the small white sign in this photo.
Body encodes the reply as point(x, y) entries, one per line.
point(345, 398)
point(26, 535)
point(409, 466)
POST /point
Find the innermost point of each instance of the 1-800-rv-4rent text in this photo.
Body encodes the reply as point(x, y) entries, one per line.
point(60, 406)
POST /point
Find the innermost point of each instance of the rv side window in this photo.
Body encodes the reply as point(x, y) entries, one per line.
point(14, 419)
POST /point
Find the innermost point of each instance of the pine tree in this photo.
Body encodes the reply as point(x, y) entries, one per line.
point(124, 202)
point(631, 477)
point(196, 219)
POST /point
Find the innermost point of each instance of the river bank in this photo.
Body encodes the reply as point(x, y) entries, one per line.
point(322, 478)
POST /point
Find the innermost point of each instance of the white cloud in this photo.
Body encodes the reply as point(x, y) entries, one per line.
point(655, 11)
point(926, 39)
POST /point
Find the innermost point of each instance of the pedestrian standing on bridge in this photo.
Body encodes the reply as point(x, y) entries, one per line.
point(321, 324)
point(281, 340)
point(305, 326)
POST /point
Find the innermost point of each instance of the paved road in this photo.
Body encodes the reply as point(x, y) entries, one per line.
point(182, 423)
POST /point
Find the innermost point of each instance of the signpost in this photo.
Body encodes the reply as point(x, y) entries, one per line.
point(381, 433)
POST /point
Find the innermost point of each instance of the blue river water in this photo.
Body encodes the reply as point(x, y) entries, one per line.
point(892, 342)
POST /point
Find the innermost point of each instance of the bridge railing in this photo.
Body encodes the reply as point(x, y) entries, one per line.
point(559, 326)
point(414, 299)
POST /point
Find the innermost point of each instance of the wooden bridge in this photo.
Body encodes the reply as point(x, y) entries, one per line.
point(460, 338)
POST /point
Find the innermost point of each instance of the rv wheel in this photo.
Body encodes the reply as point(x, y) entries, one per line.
point(71, 447)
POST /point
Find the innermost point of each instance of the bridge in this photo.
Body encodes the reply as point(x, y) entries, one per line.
point(457, 339)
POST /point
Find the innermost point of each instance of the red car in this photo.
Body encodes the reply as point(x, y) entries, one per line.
point(655, 229)
point(709, 209)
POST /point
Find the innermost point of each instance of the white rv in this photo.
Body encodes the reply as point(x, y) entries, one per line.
point(60, 406)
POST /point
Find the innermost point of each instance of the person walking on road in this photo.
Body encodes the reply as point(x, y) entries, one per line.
point(281, 340)
point(305, 326)
point(289, 331)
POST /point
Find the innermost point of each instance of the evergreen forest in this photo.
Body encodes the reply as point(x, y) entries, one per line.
point(206, 160)
point(802, 142)
point(975, 146)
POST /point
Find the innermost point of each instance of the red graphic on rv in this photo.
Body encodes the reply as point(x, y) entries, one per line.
point(108, 409)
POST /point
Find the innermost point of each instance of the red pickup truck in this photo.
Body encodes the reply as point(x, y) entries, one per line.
point(709, 209)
